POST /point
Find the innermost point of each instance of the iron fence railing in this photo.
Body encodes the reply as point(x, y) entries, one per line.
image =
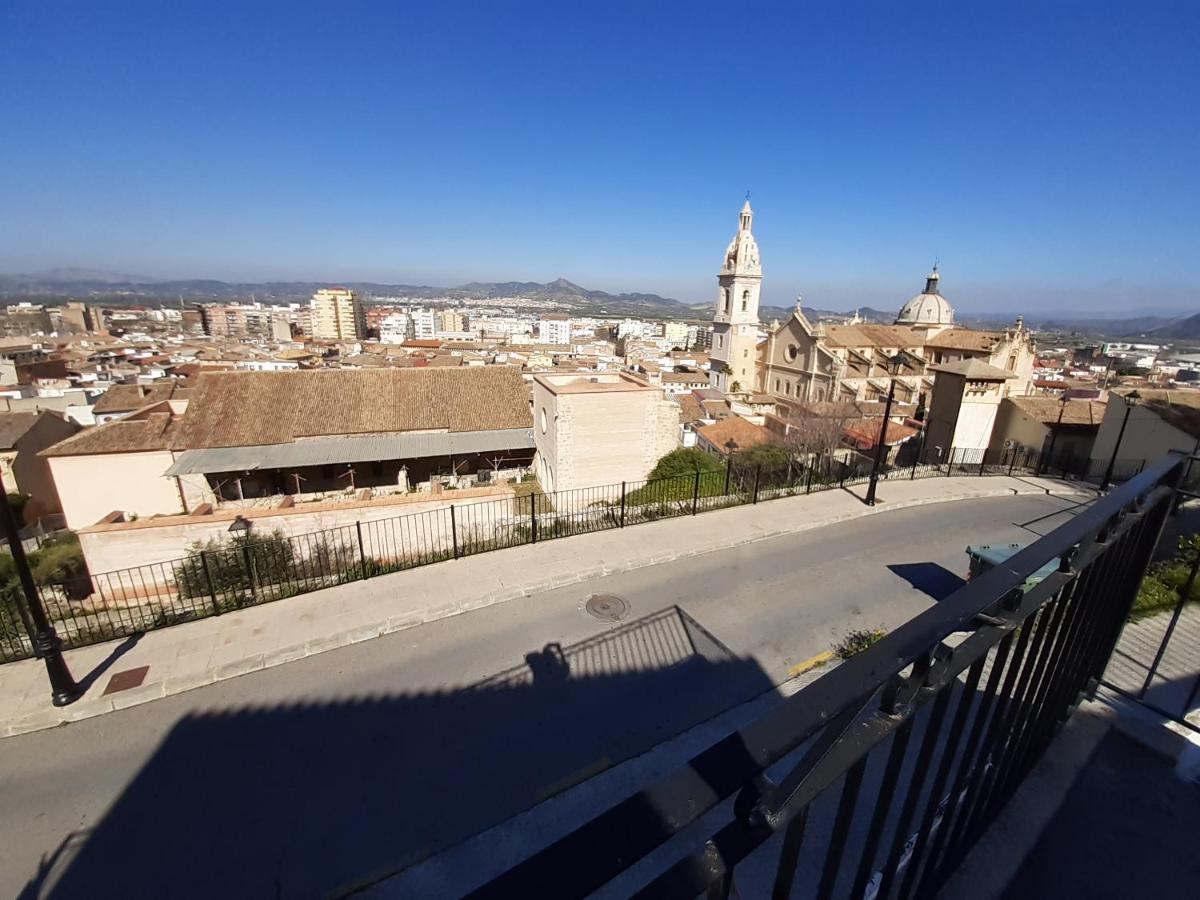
point(259, 568)
point(877, 779)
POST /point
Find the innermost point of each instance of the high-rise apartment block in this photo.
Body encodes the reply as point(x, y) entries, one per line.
point(337, 315)
point(554, 329)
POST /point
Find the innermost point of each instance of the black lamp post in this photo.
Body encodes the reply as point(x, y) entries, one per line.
point(894, 366)
point(46, 643)
point(1131, 400)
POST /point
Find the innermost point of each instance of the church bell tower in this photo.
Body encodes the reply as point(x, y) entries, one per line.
point(735, 323)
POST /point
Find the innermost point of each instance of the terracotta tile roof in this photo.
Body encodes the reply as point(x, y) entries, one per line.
point(864, 433)
point(873, 336)
point(235, 409)
point(964, 339)
point(13, 426)
point(149, 429)
point(128, 397)
point(744, 434)
point(690, 409)
point(975, 370)
point(1048, 409)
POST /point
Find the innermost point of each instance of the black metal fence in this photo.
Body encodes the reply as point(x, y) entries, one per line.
point(258, 568)
point(878, 778)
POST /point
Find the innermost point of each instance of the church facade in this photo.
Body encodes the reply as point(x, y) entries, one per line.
point(804, 362)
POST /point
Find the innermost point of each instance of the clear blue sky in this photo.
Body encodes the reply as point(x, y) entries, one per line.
point(1048, 153)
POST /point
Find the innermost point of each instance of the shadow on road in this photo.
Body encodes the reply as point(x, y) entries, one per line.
point(929, 578)
point(314, 800)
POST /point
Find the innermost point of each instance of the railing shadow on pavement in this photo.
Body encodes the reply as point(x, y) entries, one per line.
point(929, 578)
point(321, 798)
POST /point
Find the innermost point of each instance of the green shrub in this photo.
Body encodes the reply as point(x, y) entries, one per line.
point(857, 641)
point(684, 461)
point(1164, 580)
point(271, 557)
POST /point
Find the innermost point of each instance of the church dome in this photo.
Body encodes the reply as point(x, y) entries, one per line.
point(929, 309)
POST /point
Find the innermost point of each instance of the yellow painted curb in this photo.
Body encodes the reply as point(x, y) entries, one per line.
point(809, 664)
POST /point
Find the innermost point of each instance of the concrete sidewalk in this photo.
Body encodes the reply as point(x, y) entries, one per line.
point(199, 653)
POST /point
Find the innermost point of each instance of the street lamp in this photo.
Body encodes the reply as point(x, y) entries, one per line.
point(1131, 400)
point(46, 643)
point(895, 365)
point(240, 526)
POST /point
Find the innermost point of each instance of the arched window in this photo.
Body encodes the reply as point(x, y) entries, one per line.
point(724, 299)
point(745, 300)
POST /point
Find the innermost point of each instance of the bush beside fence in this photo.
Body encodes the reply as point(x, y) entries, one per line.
point(255, 568)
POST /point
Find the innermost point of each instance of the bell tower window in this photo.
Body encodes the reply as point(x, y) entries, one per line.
point(745, 300)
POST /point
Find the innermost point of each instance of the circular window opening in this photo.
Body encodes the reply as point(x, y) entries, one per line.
point(792, 352)
point(543, 420)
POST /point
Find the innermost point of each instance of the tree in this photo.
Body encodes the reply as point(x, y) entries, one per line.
point(818, 432)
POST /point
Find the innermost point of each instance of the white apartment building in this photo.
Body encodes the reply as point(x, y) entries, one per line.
point(424, 324)
point(395, 328)
point(554, 329)
point(337, 315)
point(676, 333)
point(635, 328)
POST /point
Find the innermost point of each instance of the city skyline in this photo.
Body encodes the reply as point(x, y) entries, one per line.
point(1052, 170)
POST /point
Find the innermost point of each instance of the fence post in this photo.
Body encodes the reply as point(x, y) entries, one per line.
point(696, 494)
point(728, 467)
point(808, 481)
point(1012, 461)
point(454, 531)
point(208, 579)
point(982, 462)
point(622, 504)
point(949, 462)
point(362, 553)
point(533, 518)
point(757, 473)
point(249, 561)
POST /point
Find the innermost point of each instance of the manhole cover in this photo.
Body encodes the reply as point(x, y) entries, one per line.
point(606, 607)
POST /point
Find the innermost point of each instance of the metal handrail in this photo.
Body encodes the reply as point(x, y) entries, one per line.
point(991, 608)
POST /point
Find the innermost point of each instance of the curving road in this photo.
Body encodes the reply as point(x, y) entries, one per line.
point(311, 778)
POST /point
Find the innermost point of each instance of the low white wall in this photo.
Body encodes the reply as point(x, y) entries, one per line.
point(390, 528)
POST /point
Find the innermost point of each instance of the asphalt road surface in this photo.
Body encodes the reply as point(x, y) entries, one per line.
point(311, 778)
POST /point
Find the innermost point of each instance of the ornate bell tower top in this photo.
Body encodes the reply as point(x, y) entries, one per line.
point(741, 257)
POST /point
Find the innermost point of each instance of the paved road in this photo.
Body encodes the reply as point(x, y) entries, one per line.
point(306, 779)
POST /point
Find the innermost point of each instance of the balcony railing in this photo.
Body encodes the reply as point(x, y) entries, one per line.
point(877, 779)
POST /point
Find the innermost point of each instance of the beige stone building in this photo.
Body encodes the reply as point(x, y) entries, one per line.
point(1064, 427)
point(22, 436)
point(966, 400)
point(803, 362)
point(337, 315)
point(261, 439)
point(593, 430)
point(1159, 421)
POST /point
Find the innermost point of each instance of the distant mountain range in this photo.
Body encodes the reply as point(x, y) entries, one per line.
point(116, 288)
